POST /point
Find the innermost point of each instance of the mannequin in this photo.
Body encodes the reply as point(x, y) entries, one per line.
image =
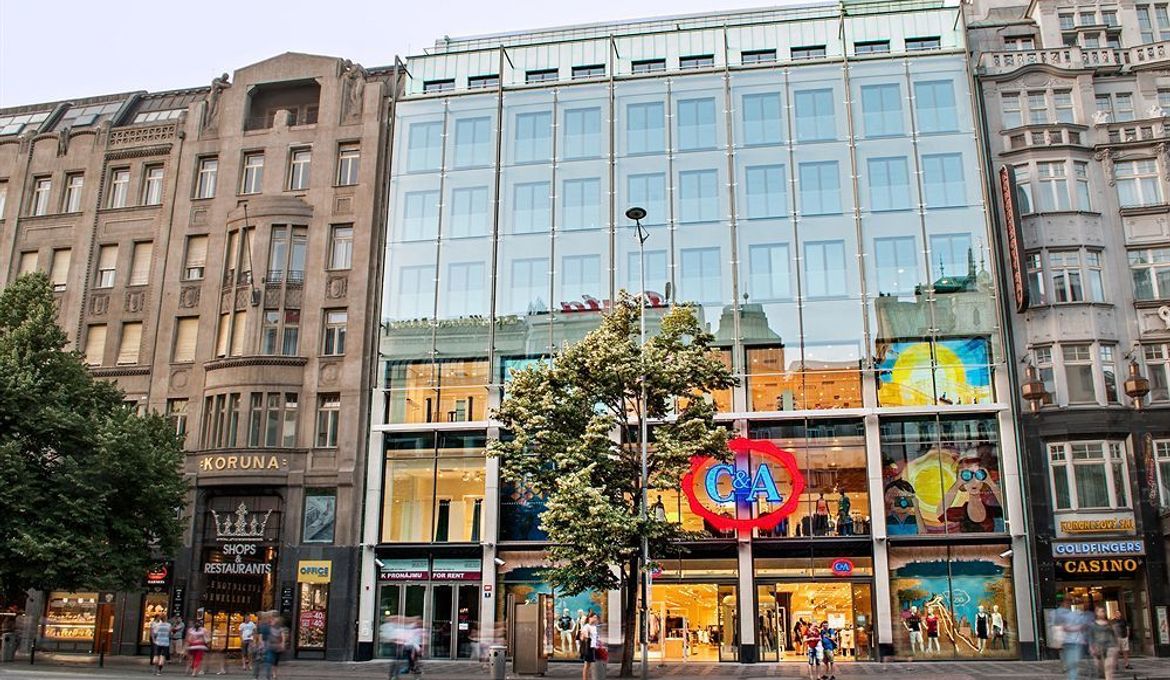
point(821, 520)
point(932, 631)
point(566, 629)
point(997, 628)
point(844, 518)
point(913, 625)
point(581, 620)
point(982, 629)
point(847, 641)
point(658, 510)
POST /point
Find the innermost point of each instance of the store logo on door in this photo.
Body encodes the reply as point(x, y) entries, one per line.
point(757, 488)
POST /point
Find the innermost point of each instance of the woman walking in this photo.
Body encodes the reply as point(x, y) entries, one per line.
point(589, 640)
point(196, 646)
point(1103, 643)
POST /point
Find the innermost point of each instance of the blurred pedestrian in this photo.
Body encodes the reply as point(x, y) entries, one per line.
point(196, 646)
point(160, 643)
point(1103, 643)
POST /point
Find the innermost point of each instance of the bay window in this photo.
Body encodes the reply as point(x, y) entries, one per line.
point(1150, 271)
point(1137, 183)
point(1089, 475)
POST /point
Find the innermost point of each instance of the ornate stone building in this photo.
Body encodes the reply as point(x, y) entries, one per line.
point(213, 251)
point(1075, 98)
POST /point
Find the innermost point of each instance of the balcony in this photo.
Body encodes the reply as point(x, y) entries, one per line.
point(1071, 58)
point(1150, 55)
point(1133, 131)
point(1031, 137)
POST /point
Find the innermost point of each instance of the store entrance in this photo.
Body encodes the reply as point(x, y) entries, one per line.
point(693, 622)
point(447, 616)
point(785, 606)
point(1124, 596)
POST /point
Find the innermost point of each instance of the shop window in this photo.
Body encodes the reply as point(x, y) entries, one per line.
point(425, 392)
point(1089, 475)
point(522, 584)
point(312, 617)
point(934, 372)
point(831, 456)
point(953, 602)
point(70, 617)
point(941, 476)
point(434, 488)
point(779, 380)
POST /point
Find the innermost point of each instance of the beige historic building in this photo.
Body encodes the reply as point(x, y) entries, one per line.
point(1076, 99)
point(212, 250)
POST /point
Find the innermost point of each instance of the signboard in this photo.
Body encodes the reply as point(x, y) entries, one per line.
point(842, 567)
point(1102, 548)
point(251, 463)
point(1118, 567)
point(239, 559)
point(1163, 625)
point(1015, 241)
point(1081, 524)
point(286, 599)
point(178, 599)
point(757, 488)
point(411, 569)
point(314, 571)
point(159, 575)
point(445, 569)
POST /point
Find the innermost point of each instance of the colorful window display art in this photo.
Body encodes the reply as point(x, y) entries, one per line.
point(953, 602)
point(924, 372)
point(941, 476)
point(564, 619)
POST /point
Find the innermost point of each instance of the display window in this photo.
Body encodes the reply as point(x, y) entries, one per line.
point(783, 379)
point(425, 392)
point(224, 627)
point(785, 609)
point(934, 372)
point(564, 617)
point(953, 602)
point(70, 617)
point(312, 616)
point(153, 604)
point(693, 622)
point(831, 456)
point(941, 476)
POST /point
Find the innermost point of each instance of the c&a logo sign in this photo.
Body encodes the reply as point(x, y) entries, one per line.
point(759, 487)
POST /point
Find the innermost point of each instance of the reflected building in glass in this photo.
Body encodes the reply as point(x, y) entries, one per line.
point(813, 184)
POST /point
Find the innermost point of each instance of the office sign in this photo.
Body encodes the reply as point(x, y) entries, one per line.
point(314, 571)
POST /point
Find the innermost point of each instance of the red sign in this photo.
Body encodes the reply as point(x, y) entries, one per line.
point(757, 488)
point(1015, 242)
point(842, 567)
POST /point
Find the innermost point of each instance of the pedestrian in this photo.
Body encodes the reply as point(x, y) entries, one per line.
point(274, 646)
point(1072, 627)
point(178, 636)
point(828, 647)
point(1103, 642)
point(160, 643)
point(247, 632)
point(196, 646)
point(1121, 629)
point(258, 662)
point(586, 635)
point(812, 645)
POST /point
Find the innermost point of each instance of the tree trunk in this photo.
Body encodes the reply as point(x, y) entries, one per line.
point(630, 638)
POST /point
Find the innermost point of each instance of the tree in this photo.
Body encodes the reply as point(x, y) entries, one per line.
point(574, 440)
point(89, 490)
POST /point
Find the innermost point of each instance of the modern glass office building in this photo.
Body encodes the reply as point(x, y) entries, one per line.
point(813, 181)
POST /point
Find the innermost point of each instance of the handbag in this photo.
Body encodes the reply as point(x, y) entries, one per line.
point(603, 653)
point(1056, 636)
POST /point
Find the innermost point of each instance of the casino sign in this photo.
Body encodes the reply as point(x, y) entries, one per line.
point(757, 488)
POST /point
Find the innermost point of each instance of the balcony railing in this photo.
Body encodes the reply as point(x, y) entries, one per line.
point(1048, 136)
point(1060, 57)
point(1149, 130)
point(1150, 54)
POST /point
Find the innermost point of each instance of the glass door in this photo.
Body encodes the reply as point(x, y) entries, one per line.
point(770, 624)
point(404, 600)
point(443, 600)
point(467, 621)
point(728, 624)
point(858, 643)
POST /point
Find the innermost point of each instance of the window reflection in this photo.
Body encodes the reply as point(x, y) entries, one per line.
point(779, 380)
point(425, 392)
point(434, 487)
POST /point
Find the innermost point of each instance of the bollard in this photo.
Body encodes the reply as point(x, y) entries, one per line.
point(499, 654)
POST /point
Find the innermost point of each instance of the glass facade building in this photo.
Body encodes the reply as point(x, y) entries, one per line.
point(822, 203)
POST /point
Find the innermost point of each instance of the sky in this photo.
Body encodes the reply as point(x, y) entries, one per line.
point(90, 48)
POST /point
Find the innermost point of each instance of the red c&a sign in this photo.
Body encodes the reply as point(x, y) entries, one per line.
point(759, 472)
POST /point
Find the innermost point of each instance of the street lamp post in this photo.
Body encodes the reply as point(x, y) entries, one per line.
point(637, 215)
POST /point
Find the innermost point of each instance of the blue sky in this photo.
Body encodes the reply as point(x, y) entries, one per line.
point(85, 48)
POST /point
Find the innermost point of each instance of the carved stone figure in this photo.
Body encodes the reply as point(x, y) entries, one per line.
point(63, 140)
point(1101, 118)
point(212, 112)
point(1106, 158)
point(353, 87)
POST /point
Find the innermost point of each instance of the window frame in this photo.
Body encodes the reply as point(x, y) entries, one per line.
point(334, 328)
point(251, 174)
point(42, 192)
point(349, 160)
point(119, 192)
point(300, 166)
point(206, 178)
point(71, 199)
point(153, 185)
point(1114, 454)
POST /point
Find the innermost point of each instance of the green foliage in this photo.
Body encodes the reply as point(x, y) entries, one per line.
point(88, 489)
point(575, 440)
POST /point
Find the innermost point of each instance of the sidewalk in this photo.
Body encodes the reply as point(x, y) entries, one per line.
point(116, 667)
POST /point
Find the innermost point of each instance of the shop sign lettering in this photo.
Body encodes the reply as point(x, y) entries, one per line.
point(236, 566)
point(842, 567)
point(408, 569)
point(1098, 548)
point(444, 569)
point(752, 477)
point(314, 571)
point(1093, 526)
point(220, 463)
point(1121, 565)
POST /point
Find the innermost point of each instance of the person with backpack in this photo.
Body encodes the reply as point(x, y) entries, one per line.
point(828, 646)
point(197, 640)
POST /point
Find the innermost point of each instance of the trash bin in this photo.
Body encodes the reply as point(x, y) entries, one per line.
point(600, 668)
point(8, 647)
point(499, 654)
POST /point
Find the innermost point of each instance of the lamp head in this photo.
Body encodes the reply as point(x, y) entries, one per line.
point(636, 213)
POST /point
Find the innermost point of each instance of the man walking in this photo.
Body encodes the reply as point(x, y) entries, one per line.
point(160, 643)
